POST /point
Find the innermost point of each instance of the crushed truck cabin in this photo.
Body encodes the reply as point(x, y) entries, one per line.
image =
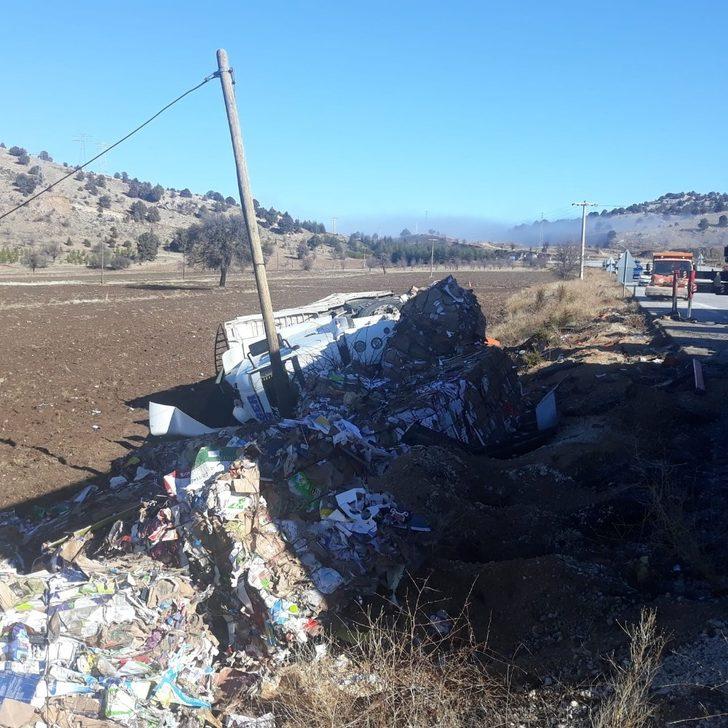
point(314, 339)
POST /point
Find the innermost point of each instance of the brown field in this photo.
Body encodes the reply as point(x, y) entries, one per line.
point(79, 362)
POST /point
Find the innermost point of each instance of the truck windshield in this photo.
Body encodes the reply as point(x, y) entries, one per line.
point(666, 267)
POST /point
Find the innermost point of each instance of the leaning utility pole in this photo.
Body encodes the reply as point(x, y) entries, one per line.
point(583, 206)
point(280, 378)
point(432, 249)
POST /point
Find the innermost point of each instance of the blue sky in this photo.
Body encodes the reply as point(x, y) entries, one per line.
point(478, 112)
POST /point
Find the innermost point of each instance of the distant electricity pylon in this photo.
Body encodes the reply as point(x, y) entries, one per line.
point(81, 140)
point(333, 225)
point(583, 206)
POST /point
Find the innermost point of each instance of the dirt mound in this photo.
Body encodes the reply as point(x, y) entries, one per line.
point(550, 609)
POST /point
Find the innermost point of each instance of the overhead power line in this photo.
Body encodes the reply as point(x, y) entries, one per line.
point(109, 148)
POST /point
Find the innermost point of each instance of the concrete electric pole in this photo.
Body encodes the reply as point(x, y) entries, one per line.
point(280, 378)
point(583, 206)
point(541, 236)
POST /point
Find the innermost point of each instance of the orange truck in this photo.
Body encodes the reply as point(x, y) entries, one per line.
point(663, 266)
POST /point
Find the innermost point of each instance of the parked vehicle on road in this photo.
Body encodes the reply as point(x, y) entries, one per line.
point(664, 265)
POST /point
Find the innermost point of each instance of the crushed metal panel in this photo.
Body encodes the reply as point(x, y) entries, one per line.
point(311, 349)
point(247, 327)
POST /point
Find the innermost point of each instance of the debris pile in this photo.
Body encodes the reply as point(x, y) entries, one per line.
point(114, 627)
point(203, 585)
point(474, 400)
point(439, 378)
point(119, 639)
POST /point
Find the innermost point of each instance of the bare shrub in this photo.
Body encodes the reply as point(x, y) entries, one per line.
point(398, 672)
point(34, 259)
point(629, 705)
point(52, 250)
point(566, 260)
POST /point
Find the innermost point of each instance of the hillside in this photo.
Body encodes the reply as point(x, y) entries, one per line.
point(675, 220)
point(88, 207)
point(66, 224)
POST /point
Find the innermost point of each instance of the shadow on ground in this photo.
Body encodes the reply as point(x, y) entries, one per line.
point(205, 400)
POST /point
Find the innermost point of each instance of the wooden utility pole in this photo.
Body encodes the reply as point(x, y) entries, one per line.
point(102, 261)
point(280, 378)
point(583, 206)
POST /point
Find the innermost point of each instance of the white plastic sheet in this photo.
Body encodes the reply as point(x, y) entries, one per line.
point(165, 419)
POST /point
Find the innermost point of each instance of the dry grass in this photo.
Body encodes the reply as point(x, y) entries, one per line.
point(540, 312)
point(629, 705)
point(673, 528)
point(399, 672)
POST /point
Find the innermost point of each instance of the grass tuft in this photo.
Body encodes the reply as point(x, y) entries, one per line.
point(629, 705)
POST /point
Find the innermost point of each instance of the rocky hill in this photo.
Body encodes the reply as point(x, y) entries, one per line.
point(89, 207)
point(689, 220)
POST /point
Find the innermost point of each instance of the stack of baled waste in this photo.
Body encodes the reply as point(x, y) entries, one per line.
point(442, 321)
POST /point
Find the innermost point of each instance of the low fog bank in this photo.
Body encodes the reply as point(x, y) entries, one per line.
point(469, 228)
point(619, 230)
point(647, 228)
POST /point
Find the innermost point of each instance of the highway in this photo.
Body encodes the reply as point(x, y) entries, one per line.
point(706, 335)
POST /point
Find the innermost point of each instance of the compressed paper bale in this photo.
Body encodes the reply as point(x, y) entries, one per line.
point(476, 401)
point(441, 321)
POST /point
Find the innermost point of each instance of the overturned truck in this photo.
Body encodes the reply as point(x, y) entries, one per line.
point(397, 366)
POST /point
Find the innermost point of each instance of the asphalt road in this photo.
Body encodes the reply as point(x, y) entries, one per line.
point(706, 335)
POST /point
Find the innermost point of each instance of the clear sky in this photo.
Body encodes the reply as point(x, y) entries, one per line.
point(375, 111)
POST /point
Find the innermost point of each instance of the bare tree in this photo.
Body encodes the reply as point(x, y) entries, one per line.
point(34, 259)
point(52, 250)
point(566, 259)
point(216, 242)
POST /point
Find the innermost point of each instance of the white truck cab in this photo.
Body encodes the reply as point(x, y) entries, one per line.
point(314, 339)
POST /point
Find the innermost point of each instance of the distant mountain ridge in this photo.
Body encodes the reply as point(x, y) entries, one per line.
point(689, 220)
point(676, 203)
